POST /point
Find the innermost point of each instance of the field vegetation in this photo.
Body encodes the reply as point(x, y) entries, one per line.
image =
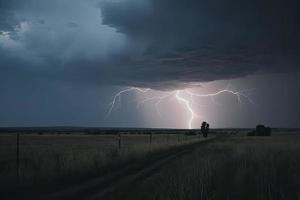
point(239, 167)
point(154, 166)
point(52, 159)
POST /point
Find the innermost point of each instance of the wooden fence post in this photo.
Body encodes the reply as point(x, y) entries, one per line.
point(18, 158)
point(119, 144)
point(150, 141)
point(168, 138)
point(180, 138)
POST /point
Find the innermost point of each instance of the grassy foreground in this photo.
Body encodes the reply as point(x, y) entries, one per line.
point(260, 168)
point(53, 160)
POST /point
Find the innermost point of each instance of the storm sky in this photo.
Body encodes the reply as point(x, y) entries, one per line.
point(61, 61)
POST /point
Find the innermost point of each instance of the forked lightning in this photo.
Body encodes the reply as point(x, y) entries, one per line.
point(184, 97)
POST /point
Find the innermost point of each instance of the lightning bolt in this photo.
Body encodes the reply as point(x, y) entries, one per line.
point(188, 107)
point(186, 102)
point(119, 94)
point(238, 94)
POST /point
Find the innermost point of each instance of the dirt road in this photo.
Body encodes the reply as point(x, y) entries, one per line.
point(115, 184)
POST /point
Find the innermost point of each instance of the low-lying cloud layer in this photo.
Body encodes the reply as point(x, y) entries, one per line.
point(147, 43)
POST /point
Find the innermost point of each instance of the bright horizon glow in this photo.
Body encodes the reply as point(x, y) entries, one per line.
point(185, 97)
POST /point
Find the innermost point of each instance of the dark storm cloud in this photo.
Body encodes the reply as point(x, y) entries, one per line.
point(197, 40)
point(52, 40)
point(148, 43)
point(60, 59)
point(7, 16)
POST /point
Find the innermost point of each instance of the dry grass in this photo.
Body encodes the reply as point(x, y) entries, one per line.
point(46, 159)
point(233, 168)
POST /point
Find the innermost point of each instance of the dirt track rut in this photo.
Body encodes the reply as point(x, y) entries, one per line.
point(107, 186)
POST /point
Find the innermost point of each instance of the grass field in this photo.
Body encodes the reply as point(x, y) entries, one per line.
point(260, 168)
point(160, 167)
point(57, 158)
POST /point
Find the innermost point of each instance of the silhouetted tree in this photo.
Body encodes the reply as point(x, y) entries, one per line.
point(204, 129)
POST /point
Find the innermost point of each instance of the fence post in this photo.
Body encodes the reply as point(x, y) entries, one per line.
point(18, 158)
point(119, 144)
point(180, 138)
point(150, 141)
point(167, 138)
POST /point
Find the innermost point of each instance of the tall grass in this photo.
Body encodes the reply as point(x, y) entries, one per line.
point(53, 159)
point(235, 168)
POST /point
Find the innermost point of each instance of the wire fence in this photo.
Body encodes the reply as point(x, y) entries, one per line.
point(28, 157)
